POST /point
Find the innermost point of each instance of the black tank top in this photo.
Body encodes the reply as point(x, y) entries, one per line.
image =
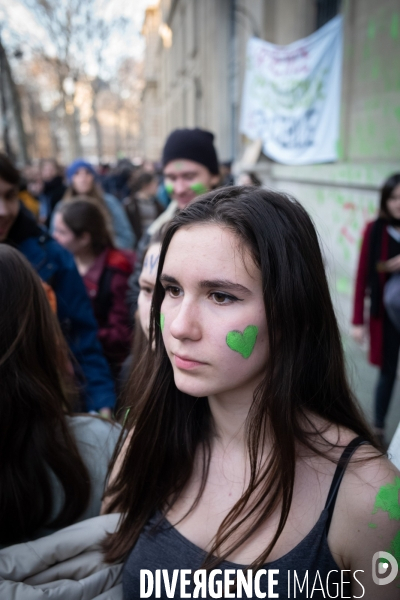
point(307, 571)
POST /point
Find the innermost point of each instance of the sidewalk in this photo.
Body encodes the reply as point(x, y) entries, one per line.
point(362, 375)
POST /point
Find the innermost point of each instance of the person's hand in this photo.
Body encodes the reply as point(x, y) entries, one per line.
point(358, 333)
point(390, 266)
point(105, 413)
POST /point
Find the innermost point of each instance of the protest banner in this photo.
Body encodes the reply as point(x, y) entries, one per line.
point(291, 96)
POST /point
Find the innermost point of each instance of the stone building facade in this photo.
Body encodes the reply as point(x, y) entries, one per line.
point(195, 77)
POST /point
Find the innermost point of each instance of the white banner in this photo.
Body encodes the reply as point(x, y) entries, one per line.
point(291, 96)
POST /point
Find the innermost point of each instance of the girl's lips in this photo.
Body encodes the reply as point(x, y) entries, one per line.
point(186, 363)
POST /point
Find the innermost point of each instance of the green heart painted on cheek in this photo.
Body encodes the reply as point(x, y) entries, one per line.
point(243, 342)
point(162, 321)
point(198, 188)
point(169, 188)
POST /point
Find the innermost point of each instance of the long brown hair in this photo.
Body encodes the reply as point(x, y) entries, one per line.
point(34, 401)
point(305, 375)
point(84, 216)
point(141, 368)
point(386, 191)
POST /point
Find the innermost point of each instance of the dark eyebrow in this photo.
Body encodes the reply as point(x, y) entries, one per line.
point(169, 279)
point(211, 283)
point(225, 284)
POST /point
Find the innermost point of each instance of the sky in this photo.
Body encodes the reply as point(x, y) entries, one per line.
point(15, 16)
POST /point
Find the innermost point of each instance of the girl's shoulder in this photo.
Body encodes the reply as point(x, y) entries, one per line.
point(367, 477)
point(366, 519)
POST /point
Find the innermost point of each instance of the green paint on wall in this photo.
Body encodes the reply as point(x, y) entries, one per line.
point(366, 55)
point(372, 525)
point(339, 149)
point(394, 27)
point(371, 31)
point(343, 285)
point(397, 112)
point(375, 71)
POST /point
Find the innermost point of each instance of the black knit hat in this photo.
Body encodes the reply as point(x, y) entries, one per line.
point(191, 144)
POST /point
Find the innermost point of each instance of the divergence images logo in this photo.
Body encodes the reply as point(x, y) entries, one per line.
point(383, 568)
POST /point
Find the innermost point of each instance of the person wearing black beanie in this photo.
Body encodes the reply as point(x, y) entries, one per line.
point(190, 168)
point(192, 144)
point(190, 164)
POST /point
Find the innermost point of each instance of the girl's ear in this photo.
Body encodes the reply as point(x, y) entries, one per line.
point(86, 239)
point(215, 179)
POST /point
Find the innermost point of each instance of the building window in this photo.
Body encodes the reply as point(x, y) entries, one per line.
point(326, 10)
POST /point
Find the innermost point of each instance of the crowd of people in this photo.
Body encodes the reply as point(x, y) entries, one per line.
point(169, 352)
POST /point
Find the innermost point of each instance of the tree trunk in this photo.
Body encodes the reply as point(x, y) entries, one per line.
point(97, 126)
point(72, 124)
point(4, 113)
point(8, 81)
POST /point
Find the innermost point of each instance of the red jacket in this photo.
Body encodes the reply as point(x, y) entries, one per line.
point(107, 283)
point(362, 290)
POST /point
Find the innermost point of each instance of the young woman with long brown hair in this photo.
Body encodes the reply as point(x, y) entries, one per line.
point(53, 463)
point(247, 449)
point(379, 260)
point(81, 228)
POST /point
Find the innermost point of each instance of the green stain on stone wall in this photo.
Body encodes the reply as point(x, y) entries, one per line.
point(339, 149)
point(343, 285)
point(375, 70)
point(371, 31)
point(394, 27)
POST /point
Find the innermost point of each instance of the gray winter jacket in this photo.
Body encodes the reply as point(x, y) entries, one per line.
point(66, 565)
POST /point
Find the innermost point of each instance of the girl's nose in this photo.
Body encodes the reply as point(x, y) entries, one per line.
point(186, 322)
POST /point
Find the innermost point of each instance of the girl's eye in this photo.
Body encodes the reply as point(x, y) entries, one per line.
point(173, 291)
point(221, 298)
point(146, 289)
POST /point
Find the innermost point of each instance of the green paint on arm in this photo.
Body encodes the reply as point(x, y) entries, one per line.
point(372, 525)
point(394, 27)
point(198, 188)
point(395, 547)
point(169, 188)
point(387, 499)
point(162, 321)
point(243, 342)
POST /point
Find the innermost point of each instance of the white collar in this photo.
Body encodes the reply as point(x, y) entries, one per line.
point(394, 233)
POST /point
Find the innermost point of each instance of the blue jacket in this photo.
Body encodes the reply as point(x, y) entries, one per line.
point(56, 266)
point(123, 233)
